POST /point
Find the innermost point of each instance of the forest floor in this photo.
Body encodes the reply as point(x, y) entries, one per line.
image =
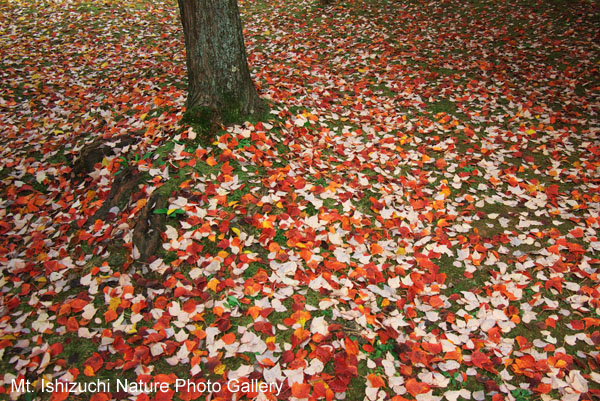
point(416, 218)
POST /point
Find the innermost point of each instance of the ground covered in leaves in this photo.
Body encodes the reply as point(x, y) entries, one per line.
point(416, 218)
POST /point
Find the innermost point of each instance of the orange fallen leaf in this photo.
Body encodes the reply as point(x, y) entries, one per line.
point(414, 387)
point(228, 338)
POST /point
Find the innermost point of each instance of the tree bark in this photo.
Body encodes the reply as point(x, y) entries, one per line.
point(218, 74)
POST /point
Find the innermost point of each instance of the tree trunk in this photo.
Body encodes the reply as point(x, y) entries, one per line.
point(218, 76)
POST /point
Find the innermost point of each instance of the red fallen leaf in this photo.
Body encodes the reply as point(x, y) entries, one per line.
point(440, 164)
point(552, 191)
point(351, 346)
point(418, 356)
point(576, 232)
point(575, 248)
point(164, 378)
point(180, 292)
point(577, 325)
point(100, 397)
point(56, 349)
point(95, 361)
point(368, 348)
point(523, 343)
point(543, 388)
point(186, 395)
point(425, 263)
point(432, 348)
point(591, 322)
point(414, 387)
point(494, 334)
point(376, 249)
point(59, 395)
point(110, 315)
point(436, 301)
point(482, 361)
point(555, 283)
point(301, 390)
point(78, 304)
point(491, 386)
point(164, 395)
point(321, 391)
point(72, 325)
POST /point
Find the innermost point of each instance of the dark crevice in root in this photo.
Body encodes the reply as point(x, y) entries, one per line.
point(149, 226)
point(96, 151)
point(119, 193)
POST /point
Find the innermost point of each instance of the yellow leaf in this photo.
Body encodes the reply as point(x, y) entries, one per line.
point(401, 251)
point(114, 303)
point(88, 371)
point(212, 284)
point(104, 65)
point(170, 211)
point(133, 329)
point(220, 369)
point(236, 231)
point(105, 162)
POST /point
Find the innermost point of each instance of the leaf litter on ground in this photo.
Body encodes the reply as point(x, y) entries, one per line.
point(417, 218)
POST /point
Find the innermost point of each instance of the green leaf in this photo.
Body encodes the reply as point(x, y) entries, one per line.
point(243, 143)
point(233, 301)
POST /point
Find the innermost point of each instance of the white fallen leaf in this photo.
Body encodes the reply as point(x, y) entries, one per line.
point(88, 312)
point(156, 349)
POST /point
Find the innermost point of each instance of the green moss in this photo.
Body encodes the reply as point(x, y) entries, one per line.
point(252, 270)
point(358, 384)
point(117, 257)
point(200, 116)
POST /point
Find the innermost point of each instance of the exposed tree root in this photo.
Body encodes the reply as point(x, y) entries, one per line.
point(121, 189)
point(147, 230)
point(94, 153)
point(148, 226)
